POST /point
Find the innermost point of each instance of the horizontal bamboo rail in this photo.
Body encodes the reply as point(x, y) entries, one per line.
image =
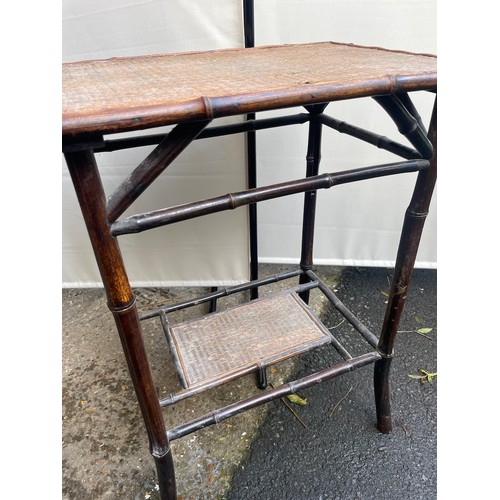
point(267, 396)
point(162, 217)
point(378, 140)
point(110, 145)
point(223, 292)
point(348, 315)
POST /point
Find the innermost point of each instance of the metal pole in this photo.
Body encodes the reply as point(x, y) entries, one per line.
point(249, 30)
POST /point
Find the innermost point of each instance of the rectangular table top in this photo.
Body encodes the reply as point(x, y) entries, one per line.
point(130, 93)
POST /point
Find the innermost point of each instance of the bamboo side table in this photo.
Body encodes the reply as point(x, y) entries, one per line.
point(191, 90)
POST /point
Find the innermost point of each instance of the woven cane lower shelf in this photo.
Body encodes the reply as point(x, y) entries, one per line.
point(244, 338)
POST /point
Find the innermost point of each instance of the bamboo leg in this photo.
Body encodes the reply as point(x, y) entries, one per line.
point(407, 252)
point(312, 161)
point(262, 382)
point(121, 302)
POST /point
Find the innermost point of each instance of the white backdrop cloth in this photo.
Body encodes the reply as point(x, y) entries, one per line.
point(357, 224)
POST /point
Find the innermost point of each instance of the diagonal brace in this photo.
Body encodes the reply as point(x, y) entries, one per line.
point(152, 166)
point(407, 124)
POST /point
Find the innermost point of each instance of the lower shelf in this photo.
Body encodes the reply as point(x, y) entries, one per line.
point(221, 346)
point(227, 344)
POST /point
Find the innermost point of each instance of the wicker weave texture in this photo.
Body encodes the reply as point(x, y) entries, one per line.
point(124, 93)
point(261, 332)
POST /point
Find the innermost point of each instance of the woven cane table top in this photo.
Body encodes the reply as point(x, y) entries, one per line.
point(127, 93)
point(221, 345)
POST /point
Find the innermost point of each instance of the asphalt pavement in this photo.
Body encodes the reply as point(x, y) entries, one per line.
point(327, 449)
point(331, 448)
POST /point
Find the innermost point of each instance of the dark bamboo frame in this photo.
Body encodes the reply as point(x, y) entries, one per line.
point(99, 215)
point(101, 218)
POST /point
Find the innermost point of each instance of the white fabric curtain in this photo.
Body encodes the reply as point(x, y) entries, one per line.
point(196, 252)
point(356, 224)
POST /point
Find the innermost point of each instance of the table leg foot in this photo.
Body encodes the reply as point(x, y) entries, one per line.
point(166, 476)
point(382, 397)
